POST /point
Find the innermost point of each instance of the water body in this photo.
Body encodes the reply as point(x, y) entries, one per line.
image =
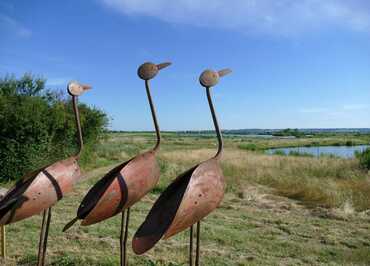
point(340, 151)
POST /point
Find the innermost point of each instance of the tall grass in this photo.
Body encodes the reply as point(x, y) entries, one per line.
point(326, 181)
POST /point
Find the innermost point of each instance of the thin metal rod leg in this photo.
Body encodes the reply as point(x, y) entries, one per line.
point(42, 233)
point(191, 247)
point(124, 235)
point(3, 243)
point(46, 237)
point(121, 237)
point(198, 245)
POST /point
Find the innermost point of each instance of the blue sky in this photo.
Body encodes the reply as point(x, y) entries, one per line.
point(295, 63)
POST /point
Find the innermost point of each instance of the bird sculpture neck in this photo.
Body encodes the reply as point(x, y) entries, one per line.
point(154, 116)
point(78, 124)
point(215, 122)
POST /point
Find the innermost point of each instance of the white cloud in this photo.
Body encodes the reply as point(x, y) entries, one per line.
point(9, 24)
point(355, 107)
point(277, 17)
point(312, 110)
point(335, 110)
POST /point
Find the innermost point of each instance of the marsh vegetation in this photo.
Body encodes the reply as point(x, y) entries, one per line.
point(292, 210)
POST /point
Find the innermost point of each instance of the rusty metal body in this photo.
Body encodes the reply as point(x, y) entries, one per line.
point(190, 197)
point(120, 189)
point(40, 191)
point(127, 183)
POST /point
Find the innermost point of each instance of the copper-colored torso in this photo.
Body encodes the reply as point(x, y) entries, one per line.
point(204, 193)
point(140, 175)
point(188, 199)
point(48, 186)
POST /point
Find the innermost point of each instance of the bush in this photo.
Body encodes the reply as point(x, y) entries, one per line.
point(279, 152)
point(38, 127)
point(248, 147)
point(364, 158)
point(300, 154)
point(349, 143)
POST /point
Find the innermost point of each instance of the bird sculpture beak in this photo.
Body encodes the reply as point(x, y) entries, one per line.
point(224, 72)
point(86, 87)
point(163, 65)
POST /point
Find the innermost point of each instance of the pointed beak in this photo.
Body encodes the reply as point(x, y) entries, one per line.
point(224, 72)
point(86, 87)
point(163, 65)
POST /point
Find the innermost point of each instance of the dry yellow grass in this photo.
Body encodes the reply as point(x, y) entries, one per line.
point(326, 182)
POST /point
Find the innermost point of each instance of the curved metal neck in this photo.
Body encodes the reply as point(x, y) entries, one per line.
point(152, 109)
point(217, 128)
point(78, 124)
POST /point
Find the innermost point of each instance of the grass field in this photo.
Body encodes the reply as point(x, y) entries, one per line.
point(278, 210)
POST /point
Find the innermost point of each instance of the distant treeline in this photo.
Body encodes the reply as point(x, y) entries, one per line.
point(297, 132)
point(37, 126)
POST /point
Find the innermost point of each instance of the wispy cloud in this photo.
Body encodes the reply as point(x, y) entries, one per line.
point(335, 110)
point(312, 110)
point(57, 81)
point(276, 17)
point(354, 107)
point(10, 24)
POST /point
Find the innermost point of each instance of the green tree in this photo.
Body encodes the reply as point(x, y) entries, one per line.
point(37, 126)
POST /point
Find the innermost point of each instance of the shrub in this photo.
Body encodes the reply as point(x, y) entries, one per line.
point(364, 158)
point(349, 143)
point(248, 146)
point(302, 154)
point(38, 127)
point(279, 152)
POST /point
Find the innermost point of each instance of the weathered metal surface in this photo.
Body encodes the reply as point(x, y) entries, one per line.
point(76, 89)
point(210, 78)
point(203, 194)
point(40, 191)
point(128, 186)
point(191, 197)
point(3, 191)
point(149, 70)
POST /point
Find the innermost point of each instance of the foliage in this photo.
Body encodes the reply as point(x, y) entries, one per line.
point(248, 146)
point(279, 152)
point(38, 127)
point(289, 132)
point(364, 158)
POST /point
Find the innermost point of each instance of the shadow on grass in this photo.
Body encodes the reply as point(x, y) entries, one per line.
point(73, 260)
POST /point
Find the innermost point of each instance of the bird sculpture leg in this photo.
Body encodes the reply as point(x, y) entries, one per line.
point(191, 247)
point(124, 235)
point(198, 245)
point(3, 243)
point(44, 237)
point(42, 233)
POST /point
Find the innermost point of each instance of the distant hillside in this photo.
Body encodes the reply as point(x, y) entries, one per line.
point(258, 131)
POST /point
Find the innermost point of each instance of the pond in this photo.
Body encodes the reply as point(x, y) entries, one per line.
point(317, 151)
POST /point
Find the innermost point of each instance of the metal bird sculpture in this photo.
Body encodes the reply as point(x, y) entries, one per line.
point(190, 197)
point(127, 183)
point(41, 189)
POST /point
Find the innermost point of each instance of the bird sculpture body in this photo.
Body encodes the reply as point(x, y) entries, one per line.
point(190, 197)
point(127, 183)
point(41, 189)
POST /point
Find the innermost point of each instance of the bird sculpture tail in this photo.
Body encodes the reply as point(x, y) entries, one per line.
point(70, 224)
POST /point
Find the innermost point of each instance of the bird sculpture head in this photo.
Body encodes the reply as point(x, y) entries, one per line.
point(210, 78)
point(149, 70)
point(76, 89)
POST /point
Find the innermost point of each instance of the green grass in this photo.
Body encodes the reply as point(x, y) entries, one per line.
point(278, 210)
